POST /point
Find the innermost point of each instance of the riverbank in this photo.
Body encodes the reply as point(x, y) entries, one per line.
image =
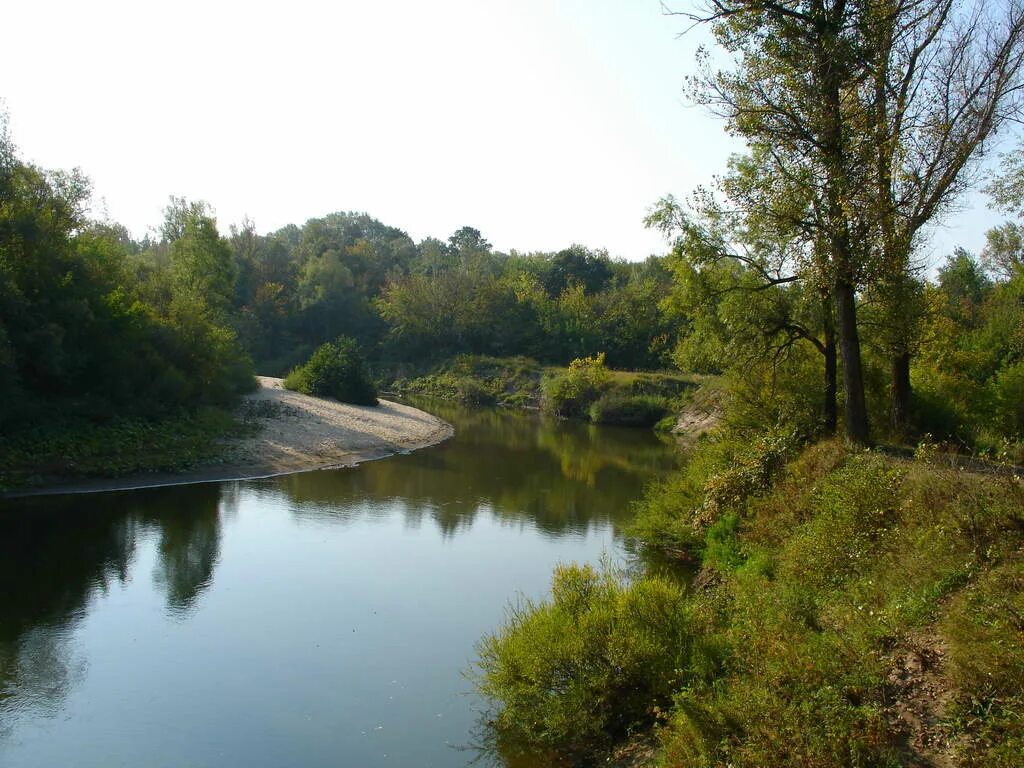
point(685, 404)
point(289, 432)
point(866, 606)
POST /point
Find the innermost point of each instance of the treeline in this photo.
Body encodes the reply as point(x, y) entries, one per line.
point(407, 302)
point(95, 324)
point(89, 327)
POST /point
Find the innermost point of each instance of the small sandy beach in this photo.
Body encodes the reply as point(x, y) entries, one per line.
point(298, 433)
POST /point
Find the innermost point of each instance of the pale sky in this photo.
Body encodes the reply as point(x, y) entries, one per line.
point(539, 122)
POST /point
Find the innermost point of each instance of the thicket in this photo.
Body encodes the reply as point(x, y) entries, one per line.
point(571, 393)
point(87, 334)
point(478, 380)
point(628, 410)
point(584, 668)
point(336, 369)
point(823, 580)
point(586, 389)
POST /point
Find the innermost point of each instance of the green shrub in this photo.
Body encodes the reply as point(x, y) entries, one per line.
point(581, 670)
point(474, 392)
point(1009, 398)
point(570, 394)
point(664, 515)
point(76, 448)
point(628, 410)
point(751, 470)
point(335, 370)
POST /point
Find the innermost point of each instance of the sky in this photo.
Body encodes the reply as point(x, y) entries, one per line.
point(539, 122)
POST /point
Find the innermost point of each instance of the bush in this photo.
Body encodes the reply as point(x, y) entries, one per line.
point(578, 671)
point(628, 410)
point(1009, 398)
point(335, 370)
point(474, 392)
point(570, 394)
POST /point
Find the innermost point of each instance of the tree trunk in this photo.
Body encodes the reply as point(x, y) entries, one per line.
point(853, 372)
point(900, 394)
point(831, 410)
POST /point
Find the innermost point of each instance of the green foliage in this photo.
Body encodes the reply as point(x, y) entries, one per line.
point(985, 629)
point(823, 585)
point(336, 369)
point(968, 379)
point(84, 333)
point(1008, 395)
point(570, 394)
point(628, 410)
point(53, 452)
point(664, 516)
point(586, 667)
point(479, 380)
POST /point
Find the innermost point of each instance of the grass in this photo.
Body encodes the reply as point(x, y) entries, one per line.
point(74, 449)
point(823, 570)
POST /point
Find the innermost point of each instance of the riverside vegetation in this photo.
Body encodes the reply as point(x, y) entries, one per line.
point(858, 599)
point(851, 609)
point(585, 389)
point(336, 369)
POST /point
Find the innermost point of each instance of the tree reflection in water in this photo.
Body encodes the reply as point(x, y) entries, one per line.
point(189, 544)
point(559, 477)
point(59, 553)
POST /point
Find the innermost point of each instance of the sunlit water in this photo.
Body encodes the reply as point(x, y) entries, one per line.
point(320, 619)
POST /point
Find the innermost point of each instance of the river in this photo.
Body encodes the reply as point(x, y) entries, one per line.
point(318, 619)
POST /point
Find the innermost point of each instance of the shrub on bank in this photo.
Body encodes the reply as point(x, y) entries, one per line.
point(628, 410)
point(836, 587)
point(571, 394)
point(580, 670)
point(335, 370)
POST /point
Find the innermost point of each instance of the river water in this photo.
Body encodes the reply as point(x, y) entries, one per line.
point(319, 619)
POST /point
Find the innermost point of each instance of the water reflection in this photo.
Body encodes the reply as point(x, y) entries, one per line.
point(58, 554)
point(189, 544)
point(165, 616)
point(559, 477)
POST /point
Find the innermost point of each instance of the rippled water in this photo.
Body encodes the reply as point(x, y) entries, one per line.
point(319, 619)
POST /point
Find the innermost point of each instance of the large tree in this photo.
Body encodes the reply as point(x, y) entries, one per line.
point(941, 78)
point(877, 108)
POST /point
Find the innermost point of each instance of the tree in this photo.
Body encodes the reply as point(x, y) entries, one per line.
point(878, 109)
point(749, 278)
point(468, 240)
point(965, 287)
point(577, 264)
point(940, 82)
point(1003, 256)
point(202, 265)
point(178, 213)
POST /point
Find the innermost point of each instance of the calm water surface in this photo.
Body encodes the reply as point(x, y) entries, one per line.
point(320, 619)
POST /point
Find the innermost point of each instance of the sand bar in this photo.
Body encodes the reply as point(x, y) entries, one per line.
point(299, 433)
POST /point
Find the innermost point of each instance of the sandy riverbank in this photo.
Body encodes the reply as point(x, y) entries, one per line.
point(298, 433)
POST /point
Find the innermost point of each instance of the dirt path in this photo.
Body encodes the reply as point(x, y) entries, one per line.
point(298, 433)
